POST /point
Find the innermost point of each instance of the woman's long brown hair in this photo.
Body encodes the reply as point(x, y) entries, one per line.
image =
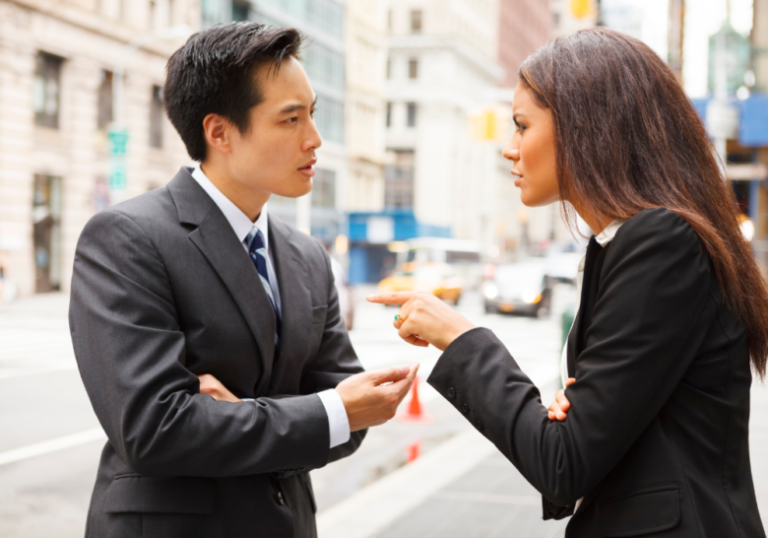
point(629, 139)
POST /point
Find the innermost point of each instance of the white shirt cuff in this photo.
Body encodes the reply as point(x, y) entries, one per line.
point(338, 421)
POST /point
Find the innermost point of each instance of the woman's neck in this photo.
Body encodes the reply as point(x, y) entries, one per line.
point(596, 221)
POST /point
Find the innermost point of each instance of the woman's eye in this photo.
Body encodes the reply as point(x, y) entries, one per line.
point(292, 120)
point(312, 113)
point(520, 127)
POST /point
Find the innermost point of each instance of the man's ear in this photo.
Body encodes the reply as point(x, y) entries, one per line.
point(218, 132)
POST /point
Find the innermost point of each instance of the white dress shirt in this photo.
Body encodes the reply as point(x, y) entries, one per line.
point(338, 422)
point(603, 238)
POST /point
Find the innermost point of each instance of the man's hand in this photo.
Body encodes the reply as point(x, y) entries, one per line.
point(559, 409)
point(371, 398)
point(212, 387)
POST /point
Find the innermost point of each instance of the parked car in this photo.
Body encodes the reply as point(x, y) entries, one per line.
point(437, 278)
point(523, 288)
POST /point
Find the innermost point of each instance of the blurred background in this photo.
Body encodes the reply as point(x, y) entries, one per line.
point(414, 106)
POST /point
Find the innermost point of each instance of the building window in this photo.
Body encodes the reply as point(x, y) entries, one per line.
point(46, 89)
point(416, 21)
point(156, 118)
point(325, 65)
point(389, 114)
point(389, 68)
point(329, 118)
point(240, 10)
point(411, 117)
point(413, 68)
point(398, 178)
point(104, 116)
point(46, 225)
point(324, 189)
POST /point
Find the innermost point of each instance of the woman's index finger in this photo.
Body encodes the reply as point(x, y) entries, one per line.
point(392, 297)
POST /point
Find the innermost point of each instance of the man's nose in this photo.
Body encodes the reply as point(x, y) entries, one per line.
point(313, 141)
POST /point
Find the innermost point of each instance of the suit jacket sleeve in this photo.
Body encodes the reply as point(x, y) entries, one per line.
point(643, 336)
point(335, 360)
point(131, 354)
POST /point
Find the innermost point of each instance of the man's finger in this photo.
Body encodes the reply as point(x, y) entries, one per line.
point(562, 401)
point(386, 375)
point(571, 381)
point(393, 297)
point(404, 384)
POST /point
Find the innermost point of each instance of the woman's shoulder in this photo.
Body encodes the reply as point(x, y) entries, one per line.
point(659, 235)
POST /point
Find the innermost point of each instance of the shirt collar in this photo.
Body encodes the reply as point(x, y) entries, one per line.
point(607, 235)
point(239, 221)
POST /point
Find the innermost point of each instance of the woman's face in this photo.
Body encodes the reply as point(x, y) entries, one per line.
point(532, 149)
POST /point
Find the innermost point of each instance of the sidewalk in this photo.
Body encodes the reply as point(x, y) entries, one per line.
point(466, 488)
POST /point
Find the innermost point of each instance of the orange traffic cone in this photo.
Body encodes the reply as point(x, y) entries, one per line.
point(415, 414)
point(414, 451)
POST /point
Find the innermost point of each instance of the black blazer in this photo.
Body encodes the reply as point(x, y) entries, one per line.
point(656, 440)
point(162, 291)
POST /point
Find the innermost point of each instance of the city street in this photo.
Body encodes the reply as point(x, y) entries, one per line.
point(50, 440)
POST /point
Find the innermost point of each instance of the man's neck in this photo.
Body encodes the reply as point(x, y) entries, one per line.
point(249, 202)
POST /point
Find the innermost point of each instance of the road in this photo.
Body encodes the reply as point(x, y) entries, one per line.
point(51, 440)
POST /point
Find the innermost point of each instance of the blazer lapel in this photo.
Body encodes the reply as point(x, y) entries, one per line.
point(295, 296)
point(214, 237)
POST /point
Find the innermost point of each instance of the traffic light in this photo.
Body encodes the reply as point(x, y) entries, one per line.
point(582, 8)
point(489, 125)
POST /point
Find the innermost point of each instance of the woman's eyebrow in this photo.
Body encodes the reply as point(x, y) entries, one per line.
point(517, 115)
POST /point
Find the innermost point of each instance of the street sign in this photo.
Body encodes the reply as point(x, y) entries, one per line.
point(118, 142)
point(118, 180)
point(117, 149)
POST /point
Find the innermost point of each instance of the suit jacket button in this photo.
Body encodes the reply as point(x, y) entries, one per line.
point(480, 425)
point(465, 409)
point(451, 393)
point(279, 498)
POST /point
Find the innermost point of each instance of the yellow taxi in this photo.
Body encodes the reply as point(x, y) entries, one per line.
point(440, 279)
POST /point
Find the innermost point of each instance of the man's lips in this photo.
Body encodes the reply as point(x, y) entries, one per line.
point(309, 168)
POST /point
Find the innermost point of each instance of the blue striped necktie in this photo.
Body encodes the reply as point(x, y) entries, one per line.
point(258, 253)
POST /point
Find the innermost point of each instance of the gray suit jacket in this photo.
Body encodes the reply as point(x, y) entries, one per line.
point(163, 291)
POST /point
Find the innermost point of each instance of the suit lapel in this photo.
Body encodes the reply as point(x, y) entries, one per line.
point(293, 279)
point(214, 237)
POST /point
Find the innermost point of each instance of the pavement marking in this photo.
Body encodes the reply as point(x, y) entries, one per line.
point(472, 496)
point(374, 507)
point(54, 445)
point(10, 373)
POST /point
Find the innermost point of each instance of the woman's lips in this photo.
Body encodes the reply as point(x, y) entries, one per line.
point(308, 171)
point(518, 179)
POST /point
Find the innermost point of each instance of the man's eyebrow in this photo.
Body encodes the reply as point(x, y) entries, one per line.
point(293, 107)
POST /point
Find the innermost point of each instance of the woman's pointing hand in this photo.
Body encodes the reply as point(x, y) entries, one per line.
point(424, 319)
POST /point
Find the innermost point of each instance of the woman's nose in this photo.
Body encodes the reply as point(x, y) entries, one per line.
point(511, 153)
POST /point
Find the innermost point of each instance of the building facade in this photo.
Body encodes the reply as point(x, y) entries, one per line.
point(58, 65)
point(441, 66)
point(366, 105)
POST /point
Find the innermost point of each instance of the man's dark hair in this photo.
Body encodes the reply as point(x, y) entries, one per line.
point(213, 73)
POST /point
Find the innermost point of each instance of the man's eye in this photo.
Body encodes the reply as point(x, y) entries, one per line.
point(292, 120)
point(312, 113)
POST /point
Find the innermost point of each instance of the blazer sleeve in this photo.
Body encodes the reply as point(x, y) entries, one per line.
point(335, 359)
point(131, 355)
point(644, 334)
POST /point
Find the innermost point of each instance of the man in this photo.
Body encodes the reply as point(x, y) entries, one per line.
point(193, 286)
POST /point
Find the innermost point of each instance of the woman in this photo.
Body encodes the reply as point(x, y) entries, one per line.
point(673, 308)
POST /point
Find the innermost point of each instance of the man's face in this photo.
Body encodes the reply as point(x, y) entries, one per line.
point(277, 153)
